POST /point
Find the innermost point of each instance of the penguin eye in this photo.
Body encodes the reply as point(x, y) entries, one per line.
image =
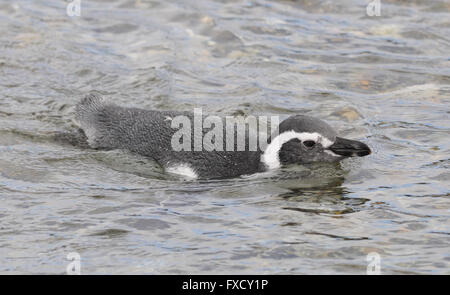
point(309, 143)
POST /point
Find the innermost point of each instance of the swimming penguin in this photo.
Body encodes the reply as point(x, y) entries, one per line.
point(300, 139)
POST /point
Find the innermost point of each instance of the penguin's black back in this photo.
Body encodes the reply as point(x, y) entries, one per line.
point(149, 133)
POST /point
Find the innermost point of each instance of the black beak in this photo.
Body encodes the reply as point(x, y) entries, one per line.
point(349, 148)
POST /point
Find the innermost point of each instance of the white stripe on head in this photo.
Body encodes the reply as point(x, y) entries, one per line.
point(271, 155)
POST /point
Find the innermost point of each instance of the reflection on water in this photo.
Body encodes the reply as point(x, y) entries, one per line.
point(383, 80)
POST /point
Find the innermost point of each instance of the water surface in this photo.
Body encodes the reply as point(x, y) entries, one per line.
point(384, 80)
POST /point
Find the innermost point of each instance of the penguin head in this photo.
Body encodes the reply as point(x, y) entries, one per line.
point(303, 139)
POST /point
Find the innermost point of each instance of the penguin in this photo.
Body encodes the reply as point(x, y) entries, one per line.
point(299, 139)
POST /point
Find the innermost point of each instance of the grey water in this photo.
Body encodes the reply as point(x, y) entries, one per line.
point(381, 79)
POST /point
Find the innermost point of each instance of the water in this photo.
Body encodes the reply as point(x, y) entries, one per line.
point(384, 80)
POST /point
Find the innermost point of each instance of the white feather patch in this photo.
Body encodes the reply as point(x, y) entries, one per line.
point(331, 153)
point(271, 156)
point(183, 170)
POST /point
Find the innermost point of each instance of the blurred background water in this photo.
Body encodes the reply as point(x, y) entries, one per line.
point(384, 80)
